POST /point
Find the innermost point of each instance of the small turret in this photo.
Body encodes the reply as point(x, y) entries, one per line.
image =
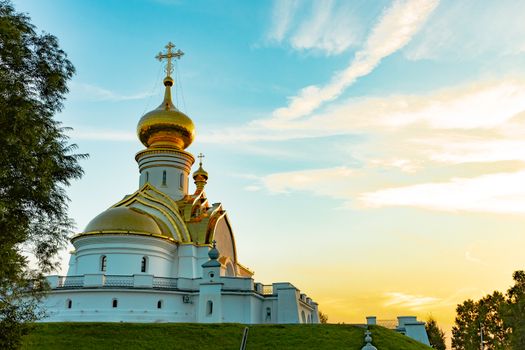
point(200, 176)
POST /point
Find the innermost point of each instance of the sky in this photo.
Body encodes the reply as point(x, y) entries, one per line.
point(370, 152)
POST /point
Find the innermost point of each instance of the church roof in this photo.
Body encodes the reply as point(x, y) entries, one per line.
point(125, 220)
point(150, 211)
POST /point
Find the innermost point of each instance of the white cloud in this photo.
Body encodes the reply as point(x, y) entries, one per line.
point(478, 150)
point(83, 133)
point(484, 105)
point(96, 93)
point(308, 180)
point(494, 193)
point(470, 257)
point(394, 30)
point(331, 28)
point(466, 29)
point(283, 13)
point(414, 302)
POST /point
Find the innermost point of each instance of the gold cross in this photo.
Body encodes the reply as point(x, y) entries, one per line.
point(168, 56)
point(200, 156)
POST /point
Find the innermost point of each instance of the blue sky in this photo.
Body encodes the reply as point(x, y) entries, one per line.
point(371, 152)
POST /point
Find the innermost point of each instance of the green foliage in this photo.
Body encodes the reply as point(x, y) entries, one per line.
point(513, 312)
point(323, 318)
point(473, 317)
point(210, 336)
point(35, 164)
point(436, 336)
point(501, 317)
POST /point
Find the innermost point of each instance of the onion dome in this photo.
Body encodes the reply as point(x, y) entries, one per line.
point(200, 176)
point(213, 254)
point(124, 220)
point(166, 126)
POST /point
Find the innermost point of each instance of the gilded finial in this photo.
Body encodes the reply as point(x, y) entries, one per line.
point(169, 55)
point(200, 156)
point(166, 126)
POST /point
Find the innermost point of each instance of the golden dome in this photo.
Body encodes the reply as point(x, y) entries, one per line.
point(166, 126)
point(124, 219)
point(200, 172)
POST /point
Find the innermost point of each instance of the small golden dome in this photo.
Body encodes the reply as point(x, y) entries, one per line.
point(123, 219)
point(200, 172)
point(166, 126)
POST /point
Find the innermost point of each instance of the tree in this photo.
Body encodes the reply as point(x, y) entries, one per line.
point(36, 163)
point(435, 335)
point(513, 312)
point(475, 317)
point(323, 318)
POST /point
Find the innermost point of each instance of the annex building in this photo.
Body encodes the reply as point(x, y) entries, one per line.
point(165, 253)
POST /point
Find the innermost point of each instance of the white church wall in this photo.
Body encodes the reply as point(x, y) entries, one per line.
point(288, 305)
point(123, 255)
point(210, 303)
point(131, 306)
point(166, 170)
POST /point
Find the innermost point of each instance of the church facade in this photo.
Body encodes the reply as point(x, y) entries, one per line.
point(163, 253)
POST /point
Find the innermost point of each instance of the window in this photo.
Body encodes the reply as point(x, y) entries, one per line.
point(147, 176)
point(159, 304)
point(69, 304)
point(181, 181)
point(268, 314)
point(164, 178)
point(209, 307)
point(303, 317)
point(115, 303)
point(143, 264)
point(103, 263)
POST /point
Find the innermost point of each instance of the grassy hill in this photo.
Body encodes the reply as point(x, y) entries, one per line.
point(215, 336)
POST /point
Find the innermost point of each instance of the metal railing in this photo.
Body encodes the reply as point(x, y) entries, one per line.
point(115, 281)
point(267, 289)
point(164, 283)
point(71, 282)
point(118, 281)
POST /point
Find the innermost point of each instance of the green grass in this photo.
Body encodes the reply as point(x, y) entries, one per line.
point(215, 336)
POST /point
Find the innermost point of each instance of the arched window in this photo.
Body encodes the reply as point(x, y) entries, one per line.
point(143, 264)
point(181, 181)
point(303, 316)
point(69, 304)
point(147, 176)
point(309, 318)
point(164, 178)
point(209, 307)
point(268, 314)
point(159, 304)
point(115, 303)
point(103, 263)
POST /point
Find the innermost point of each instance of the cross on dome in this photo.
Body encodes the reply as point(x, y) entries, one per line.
point(169, 55)
point(200, 156)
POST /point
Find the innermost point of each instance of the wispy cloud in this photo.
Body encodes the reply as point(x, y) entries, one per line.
point(464, 30)
point(85, 133)
point(470, 257)
point(494, 193)
point(283, 13)
point(96, 93)
point(409, 301)
point(393, 31)
point(330, 26)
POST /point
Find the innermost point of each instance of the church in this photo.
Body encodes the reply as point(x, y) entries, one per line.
point(165, 253)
